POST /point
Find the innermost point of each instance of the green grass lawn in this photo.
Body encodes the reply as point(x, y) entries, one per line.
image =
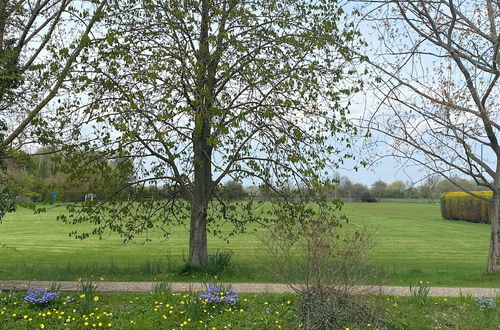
point(168, 310)
point(413, 243)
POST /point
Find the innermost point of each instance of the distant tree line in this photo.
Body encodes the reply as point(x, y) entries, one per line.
point(431, 188)
point(36, 177)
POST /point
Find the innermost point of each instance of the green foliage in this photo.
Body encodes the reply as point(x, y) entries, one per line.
point(464, 206)
point(259, 98)
point(219, 262)
point(10, 73)
point(327, 308)
point(87, 297)
point(420, 291)
point(162, 288)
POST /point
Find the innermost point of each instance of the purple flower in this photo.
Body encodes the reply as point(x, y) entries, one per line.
point(216, 295)
point(40, 296)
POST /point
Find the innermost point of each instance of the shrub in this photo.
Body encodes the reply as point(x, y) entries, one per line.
point(219, 262)
point(329, 308)
point(323, 262)
point(368, 198)
point(463, 206)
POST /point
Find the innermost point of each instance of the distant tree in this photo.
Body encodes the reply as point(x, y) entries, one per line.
point(367, 197)
point(345, 188)
point(445, 185)
point(233, 190)
point(378, 188)
point(411, 191)
point(359, 190)
point(396, 189)
point(429, 189)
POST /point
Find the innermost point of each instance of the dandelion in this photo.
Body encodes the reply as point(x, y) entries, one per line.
point(42, 326)
point(82, 295)
point(96, 298)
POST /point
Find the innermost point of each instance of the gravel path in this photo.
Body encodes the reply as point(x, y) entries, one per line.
point(246, 288)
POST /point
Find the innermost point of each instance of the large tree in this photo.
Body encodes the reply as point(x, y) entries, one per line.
point(439, 67)
point(40, 43)
point(198, 92)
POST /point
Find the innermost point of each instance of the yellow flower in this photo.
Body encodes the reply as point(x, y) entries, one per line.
point(288, 302)
point(445, 299)
point(82, 295)
point(86, 323)
point(42, 326)
point(96, 298)
point(109, 324)
point(25, 316)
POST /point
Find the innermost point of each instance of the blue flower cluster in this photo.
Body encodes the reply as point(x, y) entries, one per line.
point(485, 303)
point(40, 296)
point(216, 295)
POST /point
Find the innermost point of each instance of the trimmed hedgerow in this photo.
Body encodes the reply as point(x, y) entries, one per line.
point(463, 206)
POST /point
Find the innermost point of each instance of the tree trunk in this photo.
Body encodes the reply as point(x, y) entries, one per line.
point(198, 247)
point(202, 148)
point(494, 254)
point(202, 192)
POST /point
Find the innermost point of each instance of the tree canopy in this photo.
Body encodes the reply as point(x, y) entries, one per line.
point(438, 89)
point(196, 92)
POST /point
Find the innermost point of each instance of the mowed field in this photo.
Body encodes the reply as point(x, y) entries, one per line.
point(413, 244)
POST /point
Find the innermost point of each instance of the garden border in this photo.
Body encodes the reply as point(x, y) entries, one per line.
point(145, 287)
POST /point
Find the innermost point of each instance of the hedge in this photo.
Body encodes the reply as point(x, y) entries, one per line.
point(462, 206)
